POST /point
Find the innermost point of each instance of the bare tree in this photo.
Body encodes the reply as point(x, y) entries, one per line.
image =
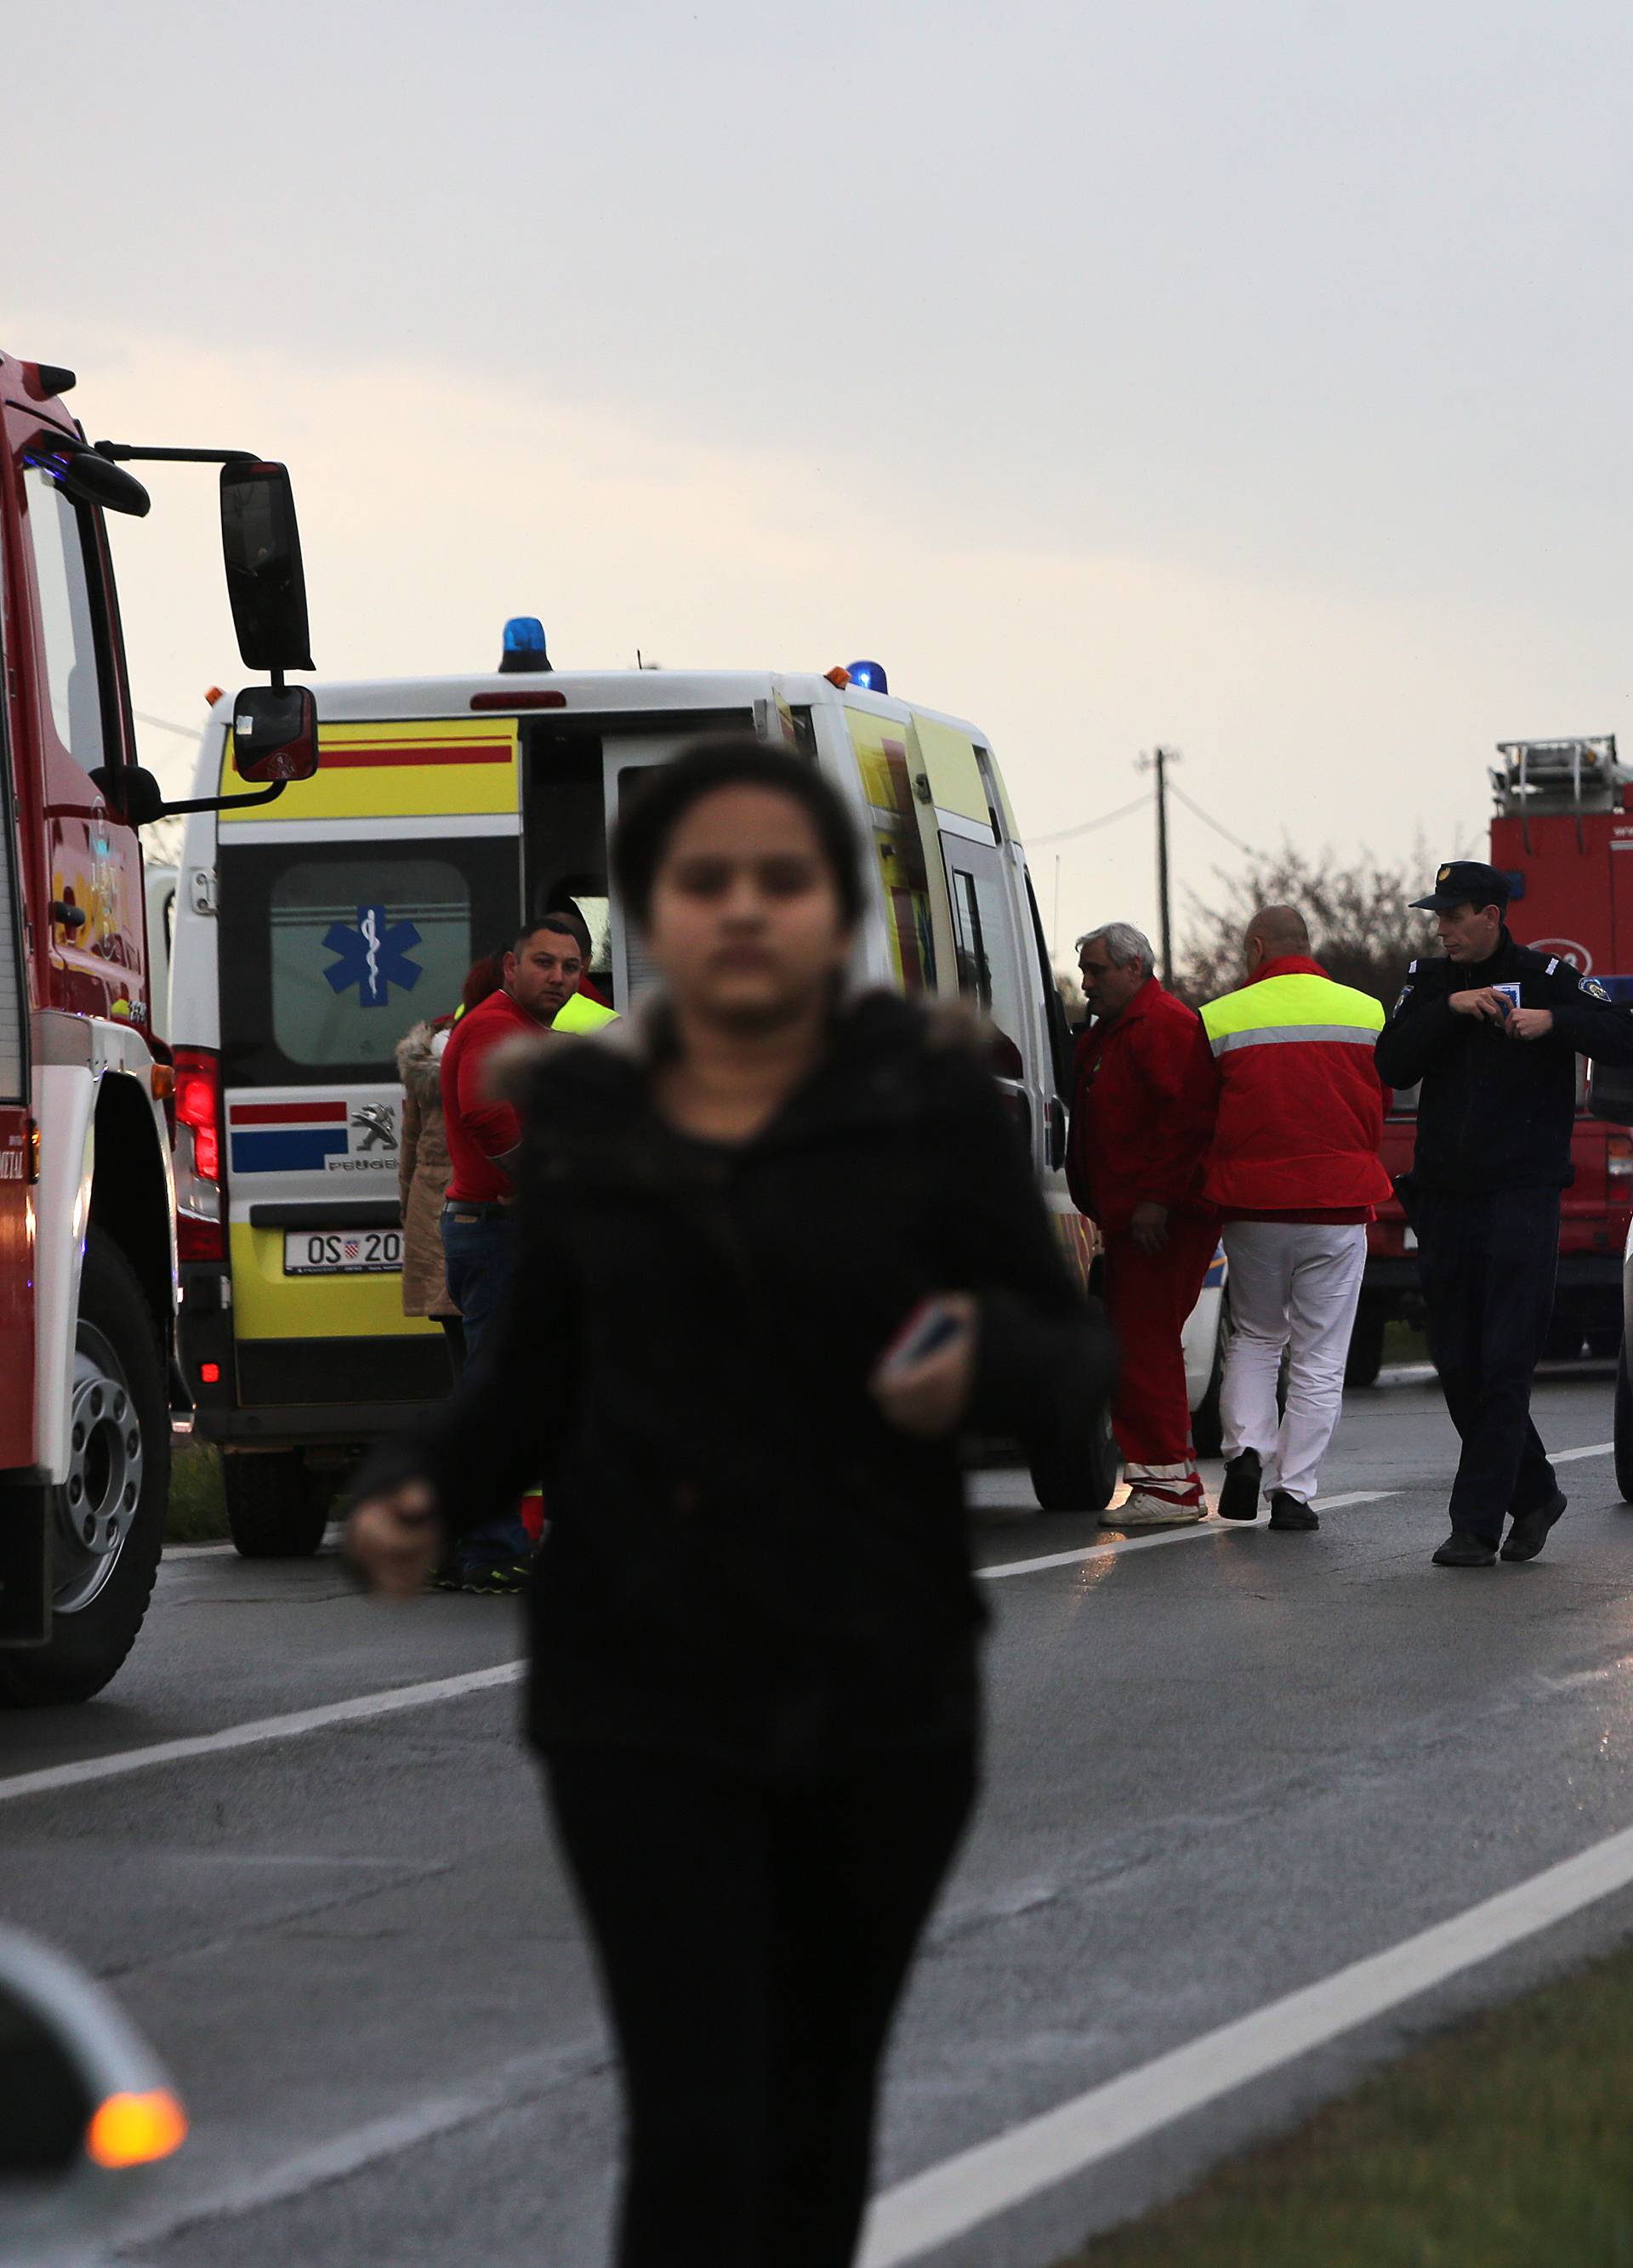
point(1361, 928)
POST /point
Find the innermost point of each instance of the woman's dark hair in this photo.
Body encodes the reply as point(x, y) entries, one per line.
point(732, 760)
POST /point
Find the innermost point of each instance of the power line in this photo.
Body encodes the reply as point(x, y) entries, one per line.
point(1208, 820)
point(1063, 834)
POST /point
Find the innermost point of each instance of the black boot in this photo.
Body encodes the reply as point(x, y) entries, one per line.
point(1286, 1512)
point(1462, 1550)
point(1238, 1499)
point(1529, 1533)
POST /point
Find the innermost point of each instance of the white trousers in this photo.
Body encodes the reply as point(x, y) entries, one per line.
point(1293, 1285)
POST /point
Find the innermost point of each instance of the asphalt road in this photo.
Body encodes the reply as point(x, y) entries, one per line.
point(1220, 1769)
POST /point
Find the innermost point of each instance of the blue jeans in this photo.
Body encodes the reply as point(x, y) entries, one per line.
point(477, 1248)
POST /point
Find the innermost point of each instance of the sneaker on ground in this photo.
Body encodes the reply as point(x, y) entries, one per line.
point(1148, 1508)
point(494, 1581)
point(1291, 1512)
point(1238, 1499)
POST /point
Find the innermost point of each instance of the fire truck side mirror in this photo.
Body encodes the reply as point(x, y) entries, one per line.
point(1610, 1093)
point(260, 547)
point(275, 734)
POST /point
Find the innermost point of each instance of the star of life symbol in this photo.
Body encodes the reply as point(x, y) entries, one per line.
point(375, 1120)
point(374, 956)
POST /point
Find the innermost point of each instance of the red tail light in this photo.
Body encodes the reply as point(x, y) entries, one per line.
point(199, 1105)
point(197, 1239)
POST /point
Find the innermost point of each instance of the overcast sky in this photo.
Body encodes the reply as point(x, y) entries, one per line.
point(1254, 378)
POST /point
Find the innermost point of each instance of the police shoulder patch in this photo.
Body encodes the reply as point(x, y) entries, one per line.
point(1400, 999)
point(1592, 986)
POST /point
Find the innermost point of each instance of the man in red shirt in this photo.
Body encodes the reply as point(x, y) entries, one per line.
point(541, 973)
point(1142, 1115)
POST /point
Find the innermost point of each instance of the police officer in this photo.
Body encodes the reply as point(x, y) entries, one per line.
point(1493, 1032)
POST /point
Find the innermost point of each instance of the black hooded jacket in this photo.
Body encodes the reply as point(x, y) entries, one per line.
point(743, 1559)
point(1496, 1112)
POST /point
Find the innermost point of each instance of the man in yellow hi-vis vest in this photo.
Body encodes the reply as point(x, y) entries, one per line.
point(1293, 1168)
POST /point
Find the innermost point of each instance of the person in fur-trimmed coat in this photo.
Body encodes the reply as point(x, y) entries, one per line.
point(423, 1171)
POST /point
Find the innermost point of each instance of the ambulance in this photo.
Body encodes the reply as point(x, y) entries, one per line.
point(309, 937)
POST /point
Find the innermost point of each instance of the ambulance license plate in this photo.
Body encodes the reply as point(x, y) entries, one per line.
point(342, 1251)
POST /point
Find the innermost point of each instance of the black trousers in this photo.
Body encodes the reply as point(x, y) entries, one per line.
point(753, 1941)
point(1487, 1262)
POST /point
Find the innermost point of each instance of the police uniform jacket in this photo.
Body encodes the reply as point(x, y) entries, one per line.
point(744, 1561)
point(1494, 1112)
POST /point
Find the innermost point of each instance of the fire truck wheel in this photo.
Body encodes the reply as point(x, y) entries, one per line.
point(1622, 1429)
point(276, 1508)
point(1084, 1483)
point(109, 1525)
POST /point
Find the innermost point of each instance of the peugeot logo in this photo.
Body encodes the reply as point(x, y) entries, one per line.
point(373, 1121)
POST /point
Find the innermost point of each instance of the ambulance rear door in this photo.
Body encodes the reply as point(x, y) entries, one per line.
point(343, 922)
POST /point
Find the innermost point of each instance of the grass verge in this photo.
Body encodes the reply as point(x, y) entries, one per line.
point(197, 1511)
point(1505, 2143)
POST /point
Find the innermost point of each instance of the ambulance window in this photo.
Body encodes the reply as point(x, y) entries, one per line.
point(361, 948)
point(67, 619)
point(989, 972)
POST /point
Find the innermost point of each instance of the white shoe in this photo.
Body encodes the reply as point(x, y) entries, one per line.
point(1143, 1508)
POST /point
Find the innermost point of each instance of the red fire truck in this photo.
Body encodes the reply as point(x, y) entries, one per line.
point(1562, 833)
point(87, 1237)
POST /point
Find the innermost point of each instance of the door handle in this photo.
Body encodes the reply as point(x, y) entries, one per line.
point(66, 917)
point(1057, 1134)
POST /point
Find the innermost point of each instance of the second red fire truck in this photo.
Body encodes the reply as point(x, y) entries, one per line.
point(1561, 830)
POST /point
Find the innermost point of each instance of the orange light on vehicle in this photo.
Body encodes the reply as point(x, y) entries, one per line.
point(134, 2130)
point(212, 694)
point(841, 677)
point(209, 1374)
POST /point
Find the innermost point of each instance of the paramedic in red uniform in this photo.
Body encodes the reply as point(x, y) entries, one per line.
point(1142, 1115)
point(539, 973)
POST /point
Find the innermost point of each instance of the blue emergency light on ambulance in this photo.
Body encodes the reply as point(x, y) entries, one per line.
point(870, 675)
point(524, 646)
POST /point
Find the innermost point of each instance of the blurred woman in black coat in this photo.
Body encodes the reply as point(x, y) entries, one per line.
point(754, 1627)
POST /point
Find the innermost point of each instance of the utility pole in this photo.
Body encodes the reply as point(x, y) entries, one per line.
point(1159, 762)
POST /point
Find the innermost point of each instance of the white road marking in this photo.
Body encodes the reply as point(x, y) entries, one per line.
point(192, 1551)
point(357, 1710)
point(946, 2201)
point(1570, 1457)
point(1209, 1527)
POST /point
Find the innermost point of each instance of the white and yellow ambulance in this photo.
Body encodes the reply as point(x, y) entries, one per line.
point(311, 931)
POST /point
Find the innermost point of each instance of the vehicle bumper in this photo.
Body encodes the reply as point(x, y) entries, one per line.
point(295, 1393)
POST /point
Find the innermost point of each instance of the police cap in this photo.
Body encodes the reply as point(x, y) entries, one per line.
point(1465, 882)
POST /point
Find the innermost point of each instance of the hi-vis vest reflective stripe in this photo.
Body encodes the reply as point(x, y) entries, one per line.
point(579, 1014)
point(1294, 1007)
